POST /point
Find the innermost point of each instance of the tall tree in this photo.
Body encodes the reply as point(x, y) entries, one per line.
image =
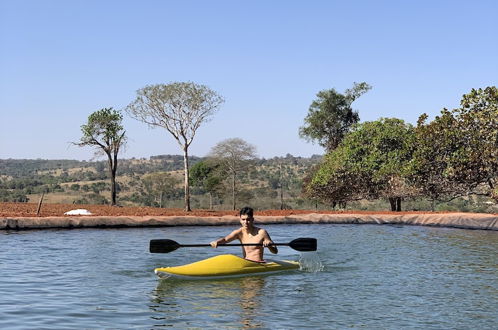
point(478, 120)
point(432, 164)
point(371, 162)
point(456, 153)
point(331, 116)
point(234, 156)
point(104, 130)
point(180, 108)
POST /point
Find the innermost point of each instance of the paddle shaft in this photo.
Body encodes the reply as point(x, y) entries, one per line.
point(235, 244)
point(167, 245)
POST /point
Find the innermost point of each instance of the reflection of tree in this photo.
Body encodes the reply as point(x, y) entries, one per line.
point(181, 303)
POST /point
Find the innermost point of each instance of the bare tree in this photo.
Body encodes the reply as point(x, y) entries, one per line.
point(234, 156)
point(180, 108)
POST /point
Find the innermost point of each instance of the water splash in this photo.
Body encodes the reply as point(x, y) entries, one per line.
point(310, 262)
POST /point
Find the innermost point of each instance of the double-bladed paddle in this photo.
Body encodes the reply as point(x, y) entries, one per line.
point(167, 245)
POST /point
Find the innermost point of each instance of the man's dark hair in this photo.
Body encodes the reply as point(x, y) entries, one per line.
point(246, 210)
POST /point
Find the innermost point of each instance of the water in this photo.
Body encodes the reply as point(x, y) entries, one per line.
point(373, 277)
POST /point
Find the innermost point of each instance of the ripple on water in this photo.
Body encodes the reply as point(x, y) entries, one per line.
point(362, 276)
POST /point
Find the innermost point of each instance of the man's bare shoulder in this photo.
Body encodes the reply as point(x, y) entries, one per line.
point(264, 233)
point(236, 232)
point(260, 231)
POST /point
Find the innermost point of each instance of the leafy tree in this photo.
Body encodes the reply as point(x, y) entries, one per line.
point(456, 153)
point(105, 132)
point(331, 182)
point(93, 198)
point(371, 162)
point(331, 116)
point(75, 187)
point(13, 196)
point(180, 108)
point(477, 160)
point(158, 186)
point(432, 164)
point(233, 155)
point(205, 174)
point(97, 187)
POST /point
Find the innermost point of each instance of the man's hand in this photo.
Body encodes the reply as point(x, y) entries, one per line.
point(214, 244)
point(267, 242)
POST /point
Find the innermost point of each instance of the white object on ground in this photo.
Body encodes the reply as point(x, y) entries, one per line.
point(78, 212)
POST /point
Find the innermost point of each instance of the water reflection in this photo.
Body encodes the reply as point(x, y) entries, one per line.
point(178, 302)
point(251, 302)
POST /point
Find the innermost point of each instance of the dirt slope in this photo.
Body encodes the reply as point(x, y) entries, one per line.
point(51, 210)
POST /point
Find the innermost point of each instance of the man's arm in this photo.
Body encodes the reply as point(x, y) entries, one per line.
point(227, 239)
point(267, 242)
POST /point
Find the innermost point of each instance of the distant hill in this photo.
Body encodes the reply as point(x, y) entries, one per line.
point(274, 182)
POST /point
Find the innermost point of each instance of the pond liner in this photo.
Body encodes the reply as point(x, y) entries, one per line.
point(478, 221)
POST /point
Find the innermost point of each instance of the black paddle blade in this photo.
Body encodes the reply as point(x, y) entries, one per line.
point(163, 246)
point(304, 244)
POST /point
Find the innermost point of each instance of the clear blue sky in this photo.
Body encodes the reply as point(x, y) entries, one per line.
point(62, 60)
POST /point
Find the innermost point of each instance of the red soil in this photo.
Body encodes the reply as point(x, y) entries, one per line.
point(51, 210)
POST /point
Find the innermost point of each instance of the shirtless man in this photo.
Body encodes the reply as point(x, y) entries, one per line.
point(248, 233)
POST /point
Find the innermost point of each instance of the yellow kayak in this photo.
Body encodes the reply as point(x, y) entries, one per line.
point(225, 265)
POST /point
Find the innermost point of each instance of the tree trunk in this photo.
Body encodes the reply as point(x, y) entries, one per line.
point(210, 201)
point(281, 198)
point(398, 204)
point(281, 186)
point(187, 187)
point(112, 171)
point(233, 190)
point(395, 204)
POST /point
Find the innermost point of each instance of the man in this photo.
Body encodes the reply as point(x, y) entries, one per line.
point(248, 233)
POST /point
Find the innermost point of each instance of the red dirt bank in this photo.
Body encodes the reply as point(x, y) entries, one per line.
point(58, 210)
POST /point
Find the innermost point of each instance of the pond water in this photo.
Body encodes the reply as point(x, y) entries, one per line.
point(388, 277)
